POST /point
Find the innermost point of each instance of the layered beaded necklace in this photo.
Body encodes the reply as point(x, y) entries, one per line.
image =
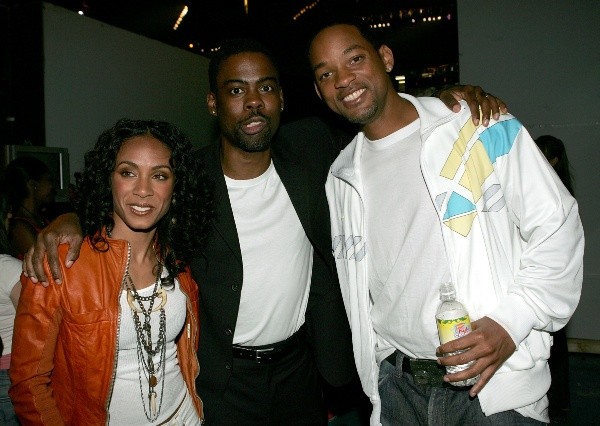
point(145, 349)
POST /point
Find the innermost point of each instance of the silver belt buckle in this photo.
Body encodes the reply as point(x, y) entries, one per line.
point(263, 353)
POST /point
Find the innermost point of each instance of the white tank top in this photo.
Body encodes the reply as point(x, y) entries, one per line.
point(126, 401)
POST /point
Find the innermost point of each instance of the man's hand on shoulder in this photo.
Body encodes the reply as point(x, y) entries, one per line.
point(480, 102)
point(63, 230)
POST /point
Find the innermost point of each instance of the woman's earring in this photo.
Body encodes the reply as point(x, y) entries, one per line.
point(173, 202)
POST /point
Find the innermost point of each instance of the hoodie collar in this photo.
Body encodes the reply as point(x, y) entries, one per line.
point(432, 113)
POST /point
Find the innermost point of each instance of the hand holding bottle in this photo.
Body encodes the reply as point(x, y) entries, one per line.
point(488, 344)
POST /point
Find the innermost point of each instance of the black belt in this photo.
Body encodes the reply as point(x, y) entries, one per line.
point(269, 353)
point(425, 372)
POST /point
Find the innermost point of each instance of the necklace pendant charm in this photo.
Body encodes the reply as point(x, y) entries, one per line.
point(153, 403)
point(131, 301)
point(162, 294)
point(144, 306)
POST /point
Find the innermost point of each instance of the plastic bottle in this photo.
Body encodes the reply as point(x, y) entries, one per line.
point(453, 322)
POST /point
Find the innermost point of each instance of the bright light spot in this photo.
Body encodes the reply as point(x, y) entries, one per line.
point(80, 12)
point(184, 12)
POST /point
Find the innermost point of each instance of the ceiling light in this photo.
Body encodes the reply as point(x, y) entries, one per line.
point(181, 16)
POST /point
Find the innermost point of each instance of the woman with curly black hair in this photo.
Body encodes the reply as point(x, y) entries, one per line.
point(125, 319)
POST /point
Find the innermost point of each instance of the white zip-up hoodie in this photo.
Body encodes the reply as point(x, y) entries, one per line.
point(513, 238)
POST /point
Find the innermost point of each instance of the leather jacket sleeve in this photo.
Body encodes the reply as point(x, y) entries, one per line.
point(36, 330)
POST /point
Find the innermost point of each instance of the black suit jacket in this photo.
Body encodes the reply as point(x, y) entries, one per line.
point(302, 153)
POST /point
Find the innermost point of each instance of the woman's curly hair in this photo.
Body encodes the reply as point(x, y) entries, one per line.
point(184, 227)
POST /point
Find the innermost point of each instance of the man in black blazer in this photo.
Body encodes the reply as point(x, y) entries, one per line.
point(239, 386)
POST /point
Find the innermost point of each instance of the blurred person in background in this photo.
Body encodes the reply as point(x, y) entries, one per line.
point(556, 154)
point(30, 189)
point(10, 287)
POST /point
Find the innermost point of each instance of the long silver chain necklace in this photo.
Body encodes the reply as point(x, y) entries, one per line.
point(145, 350)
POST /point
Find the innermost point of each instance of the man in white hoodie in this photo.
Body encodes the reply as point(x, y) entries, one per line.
point(420, 197)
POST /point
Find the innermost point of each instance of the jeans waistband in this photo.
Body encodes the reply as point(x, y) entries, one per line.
point(425, 372)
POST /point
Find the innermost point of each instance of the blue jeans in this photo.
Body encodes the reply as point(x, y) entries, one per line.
point(406, 403)
point(7, 413)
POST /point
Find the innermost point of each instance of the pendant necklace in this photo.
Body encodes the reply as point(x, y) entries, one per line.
point(145, 349)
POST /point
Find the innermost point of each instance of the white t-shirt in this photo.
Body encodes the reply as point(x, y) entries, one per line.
point(10, 272)
point(126, 401)
point(276, 257)
point(407, 260)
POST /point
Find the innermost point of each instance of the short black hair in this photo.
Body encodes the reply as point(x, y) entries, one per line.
point(234, 47)
point(363, 28)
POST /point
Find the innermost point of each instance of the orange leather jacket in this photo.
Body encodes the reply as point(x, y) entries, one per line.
point(65, 340)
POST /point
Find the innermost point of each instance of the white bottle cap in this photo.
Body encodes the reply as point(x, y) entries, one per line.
point(447, 291)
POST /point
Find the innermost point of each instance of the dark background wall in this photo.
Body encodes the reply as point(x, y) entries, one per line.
point(95, 74)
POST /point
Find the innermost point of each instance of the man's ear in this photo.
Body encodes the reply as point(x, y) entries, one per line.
point(386, 55)
point(211, 103)
point(317, 90)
